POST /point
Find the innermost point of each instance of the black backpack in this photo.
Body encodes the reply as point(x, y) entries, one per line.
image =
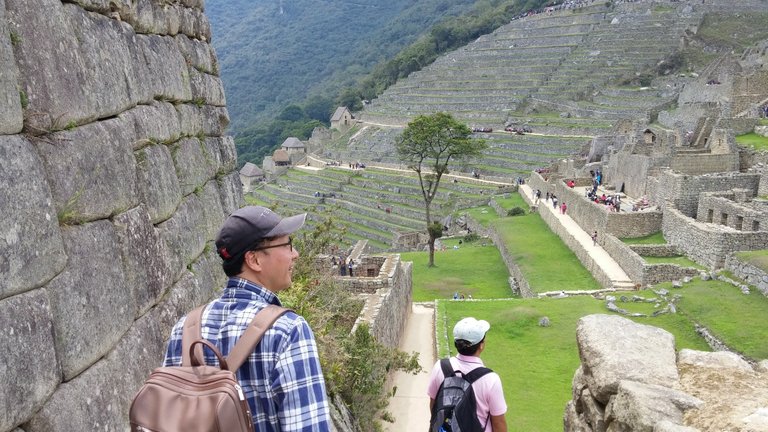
point(455, 408)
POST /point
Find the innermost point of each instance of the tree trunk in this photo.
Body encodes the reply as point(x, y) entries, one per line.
point(431, 238)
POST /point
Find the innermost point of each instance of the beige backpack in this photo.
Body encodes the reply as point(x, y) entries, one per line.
point(194, 397)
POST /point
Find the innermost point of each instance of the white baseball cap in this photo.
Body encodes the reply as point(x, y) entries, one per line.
point(471, 330)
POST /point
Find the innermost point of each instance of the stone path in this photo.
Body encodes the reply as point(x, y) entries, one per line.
point(610, 267)
point(410, 405)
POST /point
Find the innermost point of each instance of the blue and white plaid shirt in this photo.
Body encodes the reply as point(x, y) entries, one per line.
point(281, 379)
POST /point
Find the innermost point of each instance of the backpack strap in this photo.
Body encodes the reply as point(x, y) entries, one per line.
point(191, 332)
point(447, 367)
point(261, 322)
point(476, 374)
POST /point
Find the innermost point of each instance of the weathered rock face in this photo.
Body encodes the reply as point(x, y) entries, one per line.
point(115, 175)
point(617, 389)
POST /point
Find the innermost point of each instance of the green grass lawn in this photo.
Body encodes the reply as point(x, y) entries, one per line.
point(677, 259)
point(537, 364)
point(471, 269)
point(657, 238)
point(758, 258)
point(754, 141)
point(735, 318)
point(545, 261)
point(484, 215)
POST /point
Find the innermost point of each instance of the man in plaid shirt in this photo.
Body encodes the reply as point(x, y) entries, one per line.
point(281, 379)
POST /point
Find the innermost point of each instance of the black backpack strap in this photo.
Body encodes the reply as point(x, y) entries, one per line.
point(476, 374)
point(447, 367)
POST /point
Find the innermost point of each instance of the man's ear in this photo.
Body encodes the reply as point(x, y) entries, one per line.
point(252, 261)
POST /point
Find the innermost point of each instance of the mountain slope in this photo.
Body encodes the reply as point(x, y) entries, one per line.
point(275, 52)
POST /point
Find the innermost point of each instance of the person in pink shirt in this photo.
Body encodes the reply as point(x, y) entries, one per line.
point(469, 339)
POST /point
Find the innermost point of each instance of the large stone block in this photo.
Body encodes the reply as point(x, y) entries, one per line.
point(206, 88)
point(11, 117)
point(92, 306)
point(166, 74)
point(157, 182)
point(228, 154)
point(29, 370)
point(214, 213)
point(613, 348)
point(195, 164)
point(145, 257)
point(154, 123)
point(184, 233)
point(91, 170)
point(209, 275)
point(87, 71)
point(199, 54)
point(88, 404)
point(640, 406)
point(185, 295)
point(31, 248)
point(231, 192)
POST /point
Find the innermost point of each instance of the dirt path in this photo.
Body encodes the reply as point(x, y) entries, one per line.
point(410, 405)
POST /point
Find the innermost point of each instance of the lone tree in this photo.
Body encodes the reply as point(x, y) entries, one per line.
point(427, 145)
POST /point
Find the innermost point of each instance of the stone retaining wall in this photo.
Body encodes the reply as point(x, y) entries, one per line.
point(708, 244)
point(629, 259)
point(388, 302)
point(115, 176)
point(683, 191)
point(574, 245)
point(596, 217)
point(752, 275)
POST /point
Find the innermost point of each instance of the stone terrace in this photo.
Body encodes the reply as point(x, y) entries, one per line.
point(371, 203)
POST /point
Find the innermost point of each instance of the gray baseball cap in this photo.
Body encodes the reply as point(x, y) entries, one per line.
point(245, 227)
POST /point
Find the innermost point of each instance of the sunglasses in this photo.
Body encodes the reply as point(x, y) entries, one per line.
point(289, 243)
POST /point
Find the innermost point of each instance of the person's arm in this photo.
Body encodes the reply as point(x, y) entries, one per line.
point(498, 423)
point(298, 383)
point(431, 404)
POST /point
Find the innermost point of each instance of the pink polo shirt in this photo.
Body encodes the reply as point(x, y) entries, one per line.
point(488, 392)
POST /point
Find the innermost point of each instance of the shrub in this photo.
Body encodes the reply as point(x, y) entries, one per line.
point(471, 237)
point(515, 211)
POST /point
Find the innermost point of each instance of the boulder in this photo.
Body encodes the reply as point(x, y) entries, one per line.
point(717, 359)
point(31, 247)
point(638, 406)
point(614, 348)
point(92, 305)
point(29, 368)
point(761, 130)
point(573, 421)
point(668, 426)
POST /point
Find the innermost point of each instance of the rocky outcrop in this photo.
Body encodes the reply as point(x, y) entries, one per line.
point(631, 379)
point(115, 173)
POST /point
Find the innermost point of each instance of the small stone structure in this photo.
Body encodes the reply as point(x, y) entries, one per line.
point(342, 119)
point(250, 174)
point(753, 275)
point(385, 283)
point(632, 380)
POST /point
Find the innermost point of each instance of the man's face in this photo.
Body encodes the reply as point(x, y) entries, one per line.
point(277, 258)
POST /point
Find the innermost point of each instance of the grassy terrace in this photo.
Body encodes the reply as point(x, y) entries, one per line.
point(758, 258)
point(537, 363)
point(754, 141)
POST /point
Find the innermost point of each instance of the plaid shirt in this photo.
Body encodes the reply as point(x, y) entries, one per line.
point(281, 379)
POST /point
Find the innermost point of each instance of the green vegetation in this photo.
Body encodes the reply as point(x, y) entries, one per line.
point(657, 238)
point(475, 268)
point(427, 145)
point(534, 248)
point(680, 260)
point(754, 141)
point(733, 31)
point(758, 258)
point(537, 363)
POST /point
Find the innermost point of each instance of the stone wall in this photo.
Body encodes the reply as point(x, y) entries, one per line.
point(754, 276)
point(724, 211)
point(631, 379)
point(683, 191)
point(696, 164)
point(388, 299)
point(116, 174)
point(629, 259)
point(708, 244)
point(591, 216)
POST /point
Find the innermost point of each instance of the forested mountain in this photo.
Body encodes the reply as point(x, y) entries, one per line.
point(273, 52)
